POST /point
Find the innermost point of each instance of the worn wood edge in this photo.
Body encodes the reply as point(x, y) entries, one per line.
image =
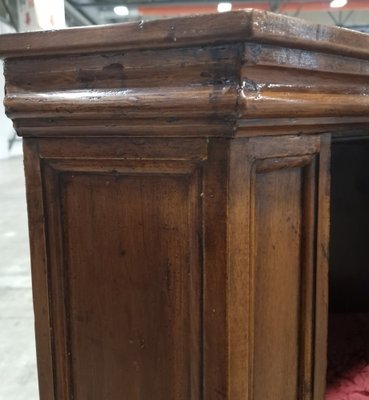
point(295, 121)
point(239, 272)
point(214, 127)
point(289, 126)
point(201, 128)
point(286, 148)
point(249, 24)
point(299, 104)
point(58, 301)
point(142, 149)
point(303, 113)
point(269, 55)
point(322, 262)
point(236, 107)
point(297, 33)
point(215, 275)
point(340, 130)
point(162, 33)
point(302, 145)
point(39, 267)
point(120, 104)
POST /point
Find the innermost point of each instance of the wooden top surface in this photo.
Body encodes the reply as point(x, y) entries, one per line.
point(246, 25)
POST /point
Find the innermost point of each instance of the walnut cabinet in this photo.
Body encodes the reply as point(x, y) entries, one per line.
point(178, 189)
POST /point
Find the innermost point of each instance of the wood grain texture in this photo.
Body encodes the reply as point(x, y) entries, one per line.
point(215, 228)
point(40, 270)
point(165, 262)
point(301, 84)
point(239, 271)
point(204, 65)
point(322, 286)
point(252, 25)
point(134, 297)
point(301, 59)
point(276, 284)
point(277, 289)
point(284, 196)
point(126, 92)
point(124, 149)
point(112, 344)
point(211, 81)
point(166, 33)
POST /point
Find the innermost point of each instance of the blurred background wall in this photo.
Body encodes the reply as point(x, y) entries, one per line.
point(6, 127)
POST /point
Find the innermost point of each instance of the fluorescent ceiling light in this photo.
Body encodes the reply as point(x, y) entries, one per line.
point(338, 3)
point(224, 7)
point(121, 10)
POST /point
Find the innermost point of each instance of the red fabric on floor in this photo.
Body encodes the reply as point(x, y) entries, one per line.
point(348, 357)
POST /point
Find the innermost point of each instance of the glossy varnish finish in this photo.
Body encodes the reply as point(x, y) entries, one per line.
point(178, 193)
point(146, 274)
point(151, 271)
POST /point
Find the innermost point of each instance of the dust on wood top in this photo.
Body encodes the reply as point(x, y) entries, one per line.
point(246, 25)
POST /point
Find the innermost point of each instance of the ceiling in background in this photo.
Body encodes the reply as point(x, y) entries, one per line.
point(353, 14)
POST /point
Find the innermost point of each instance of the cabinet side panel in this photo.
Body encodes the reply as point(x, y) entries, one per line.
point(277, 283)
point(277, 272)
point(131, 284)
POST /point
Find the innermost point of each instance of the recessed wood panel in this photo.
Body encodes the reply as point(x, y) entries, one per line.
point(277, 283)
point(283, 274)
point(130, 280)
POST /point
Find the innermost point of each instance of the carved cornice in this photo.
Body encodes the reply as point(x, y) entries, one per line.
point(301, 90)
point(238, 88)
point(192, 90)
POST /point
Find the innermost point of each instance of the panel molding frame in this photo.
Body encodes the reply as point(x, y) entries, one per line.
point(268, 154)
point(309, 193)
point(223, 237)
point(52, 172)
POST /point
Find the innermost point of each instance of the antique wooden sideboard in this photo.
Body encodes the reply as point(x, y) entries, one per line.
point(178, 188)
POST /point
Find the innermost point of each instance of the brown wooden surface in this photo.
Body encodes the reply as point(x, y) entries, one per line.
point(148, 286)
point(133, 297)
point(201, 91)
point(119, 279)
point(281, 277)
point(324, 219)
point(248, 24)
point(178, 193)
point(40, 268)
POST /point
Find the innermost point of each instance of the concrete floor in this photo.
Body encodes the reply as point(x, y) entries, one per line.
point(18, 376)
